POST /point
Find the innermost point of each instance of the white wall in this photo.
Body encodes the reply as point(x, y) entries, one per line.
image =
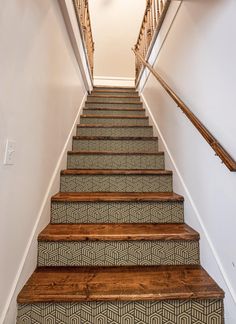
point(40, 93)
point(198, 61)
point(115, 25)
point(75, 32)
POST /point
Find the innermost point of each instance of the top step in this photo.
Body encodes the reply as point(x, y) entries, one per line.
point(120, 93)
point(114, 88)
point(101, 97)
point(108, 94)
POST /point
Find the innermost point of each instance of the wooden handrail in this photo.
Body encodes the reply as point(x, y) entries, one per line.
point(211, 140)
point(83, 18)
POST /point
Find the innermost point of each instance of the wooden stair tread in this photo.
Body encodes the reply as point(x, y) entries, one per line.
point(78, 284)
point(117, 196)
point(120, 138)
point(117, 232)
point(118, 88)
point(113, 153)
point(116, 102)
point(112, 96)
point(114, 87)
point(112, 126)
point(114, 116)
point(117, 91)
point(116, 171)
point(113, 109)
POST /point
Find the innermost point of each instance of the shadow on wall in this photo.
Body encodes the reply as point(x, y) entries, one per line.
point(106, 3)
point(210, 8)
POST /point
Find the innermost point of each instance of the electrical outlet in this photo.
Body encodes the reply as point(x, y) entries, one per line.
point(10, 150)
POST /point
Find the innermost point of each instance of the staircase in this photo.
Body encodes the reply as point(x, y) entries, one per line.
point(117, 249)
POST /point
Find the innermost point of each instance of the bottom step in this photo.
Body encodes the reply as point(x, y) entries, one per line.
point(164, 294)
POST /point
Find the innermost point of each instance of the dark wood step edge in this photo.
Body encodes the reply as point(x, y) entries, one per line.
point(121, 93)
point(83, 138)
point(113, 109)
point(112, 153)
point(114, 116)
point(121, 103)
point(116, 172)
point(113, 87)
point(117, 197)
point(76, 284)
point(138, 103)
point(113, 96)
point(112, 126)
point(118, 232)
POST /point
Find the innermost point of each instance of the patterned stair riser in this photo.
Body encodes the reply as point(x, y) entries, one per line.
point(117, 253)
point(115, 121)
point(116, 183)
point(114, 112)
point(116, 131)
point(117, 212)
point(209, 311)
point(109, 161)
point(115, 93)
point(113, 99)
point(131, 146)
point(112, 105)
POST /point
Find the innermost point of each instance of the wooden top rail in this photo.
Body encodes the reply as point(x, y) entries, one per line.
point(153, 18)
point(211, 140)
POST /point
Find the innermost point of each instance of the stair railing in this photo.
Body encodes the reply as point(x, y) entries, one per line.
point(154, 15)
point(83, 18)
point(225, 157)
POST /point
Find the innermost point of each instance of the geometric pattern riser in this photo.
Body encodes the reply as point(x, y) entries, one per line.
point(119, 131)
point(130, 146)
point(113, 112)
point(104, 99)
point(112, 105)
point(117, 212)
point(120, 94)
point(153, 312)
point(116, 183)
point(100, 161)
point(114, 121)
point(118, 253)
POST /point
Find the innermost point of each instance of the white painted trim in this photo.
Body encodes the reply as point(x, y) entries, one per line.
point(47, 197)
point(194, 207)
point(160, 41)
point(77, 41)
point(114, 81)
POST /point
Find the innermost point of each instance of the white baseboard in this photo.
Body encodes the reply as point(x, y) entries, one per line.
point(187, 194)
point(113, 81)
point(27, 265)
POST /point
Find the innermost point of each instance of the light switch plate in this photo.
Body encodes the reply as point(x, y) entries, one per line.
point(10, 150)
